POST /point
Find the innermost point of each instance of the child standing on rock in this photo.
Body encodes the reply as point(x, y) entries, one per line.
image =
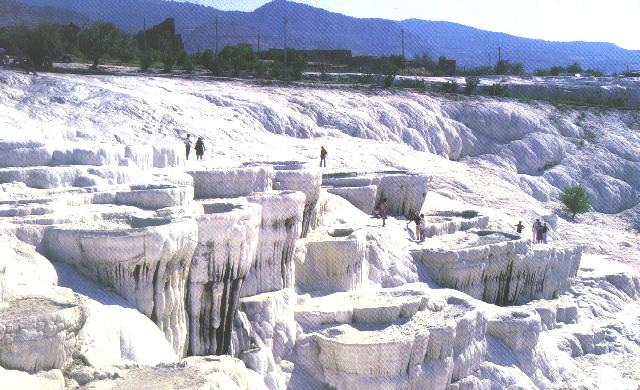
point(383, 208)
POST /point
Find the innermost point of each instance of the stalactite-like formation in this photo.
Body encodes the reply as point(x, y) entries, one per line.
point(227, 242)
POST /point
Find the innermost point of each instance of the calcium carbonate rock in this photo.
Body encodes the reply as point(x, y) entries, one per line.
point(130, 336)
point(227, 243)
point(393, 338)
point(405, 194)
point(39, 332)
point(364, 198)
point(23, 271)
point(155, 196)
point(441, 223)
point(67, 176)
point(46, 380)
point(517, 328)
point(210, 373)
point(266, 335)
point(168, 155)
point(331, 261)
point(147, 263)
point(308, 181)
point(232, 183)
point(500, 268)
point(280, 227)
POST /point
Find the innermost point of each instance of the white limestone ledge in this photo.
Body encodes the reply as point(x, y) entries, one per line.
point(208, 372)
point(332, 260)
point(39, 332)
point(405, 192)
point(155, 196)
point(395, 338)
point(306, 180)
point(36, 153)
point(146, 261)
point(364, 198)
point(69, 176)
point(500, 268)
point(280, 227)
point(449, 222)
point(232, 183)
point(265, 333)
point(227, 243)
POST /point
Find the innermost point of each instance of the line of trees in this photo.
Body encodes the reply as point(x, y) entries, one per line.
point(574, 68)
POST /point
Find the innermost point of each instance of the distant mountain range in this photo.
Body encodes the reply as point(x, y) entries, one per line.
point(314, 28)
point(13, 13)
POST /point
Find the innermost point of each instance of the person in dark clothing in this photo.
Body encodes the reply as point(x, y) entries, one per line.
point(323, 156)
point(545, 230)
point(199, 148)
point(383, 208)
point(519, 227)
point(187, 144)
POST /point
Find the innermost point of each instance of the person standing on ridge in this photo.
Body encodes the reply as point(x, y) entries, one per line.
point(323, 156)
point(534, 228)
point(383, 208)
point(545, 230)
point(187, 144)
point(199, 148)
point(519, 227)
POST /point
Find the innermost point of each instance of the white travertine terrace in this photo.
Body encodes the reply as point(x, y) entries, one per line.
point(280, 227)
point(147, 263)
point(231, 183)
point(397, 338)
point(332, 260)
point(500, 268)
point(227, 242)
point(297, 178)
point(39, 332)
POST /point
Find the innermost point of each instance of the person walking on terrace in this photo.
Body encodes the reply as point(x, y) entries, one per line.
point(199, 148)
point(417, 219)
point(187, 144)
point(323, 156)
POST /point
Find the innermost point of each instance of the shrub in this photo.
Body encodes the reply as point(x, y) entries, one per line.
point(449, 87)
point(498, 90)
point(470, 84)
point(388, 80)
point(575, 200)
point(468, 214)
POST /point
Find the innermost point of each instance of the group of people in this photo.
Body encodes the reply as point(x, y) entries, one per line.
point(199, 147)
point(539, 229)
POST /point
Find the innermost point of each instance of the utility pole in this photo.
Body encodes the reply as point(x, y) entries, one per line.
point(286, 74)
point(402, 39)
point(258, 43)
point(490, 65)
point(144, 34)
point(216, 35)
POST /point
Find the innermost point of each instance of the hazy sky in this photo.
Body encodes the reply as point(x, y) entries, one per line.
point(557, 20)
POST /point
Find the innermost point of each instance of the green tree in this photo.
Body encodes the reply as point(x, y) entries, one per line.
point(101, 39)
point(470, 85)
point(238, 58)
point(574, 68)
point(575, 200)
point(41, 45)
point(556, 70)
